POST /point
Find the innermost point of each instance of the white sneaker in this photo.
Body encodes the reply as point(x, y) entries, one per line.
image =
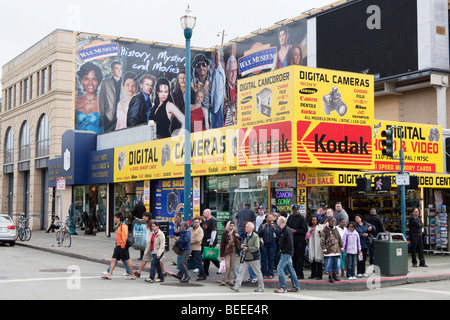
point(195, 270)
point(359, 275)
point(365, 275)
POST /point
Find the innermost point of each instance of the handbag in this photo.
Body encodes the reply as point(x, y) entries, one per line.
point(176, 249)
point(130, 240)
point(210, 253)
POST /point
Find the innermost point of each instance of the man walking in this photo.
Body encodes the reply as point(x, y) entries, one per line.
point(250, 258)
point(196, 244)
point(209, 227)
point(297, 223)
point(286, 247)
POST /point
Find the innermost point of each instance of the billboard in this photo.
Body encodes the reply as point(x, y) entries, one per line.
point(422, 145)
point(212, 152)
point(306, 116)
point(121, 84)
point(369, 41)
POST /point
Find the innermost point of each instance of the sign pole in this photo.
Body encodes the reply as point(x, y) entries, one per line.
point(402, 187)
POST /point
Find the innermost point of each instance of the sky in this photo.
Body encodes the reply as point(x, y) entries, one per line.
point(24, 22)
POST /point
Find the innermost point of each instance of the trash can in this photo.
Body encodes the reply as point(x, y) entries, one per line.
point(391, 254)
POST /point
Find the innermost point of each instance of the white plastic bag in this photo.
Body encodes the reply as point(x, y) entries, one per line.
point(223, 266)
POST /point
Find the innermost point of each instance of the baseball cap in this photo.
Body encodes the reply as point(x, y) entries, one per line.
point(295, 207)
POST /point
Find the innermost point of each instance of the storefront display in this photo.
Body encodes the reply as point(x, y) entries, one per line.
point(436, 221)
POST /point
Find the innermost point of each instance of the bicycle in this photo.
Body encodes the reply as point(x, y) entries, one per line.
point(66, 237)
point(23, 231)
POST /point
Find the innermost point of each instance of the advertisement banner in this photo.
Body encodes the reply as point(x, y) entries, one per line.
point(422, 146)
point(122, 84)
point(266, 146)
point(335, 112)
point(324, 178)
point(213, 152)
point(169, 197)
point(267, 98)
point(272, 49)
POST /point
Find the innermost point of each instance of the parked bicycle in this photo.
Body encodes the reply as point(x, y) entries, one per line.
point(23, 231)
point(65, 238)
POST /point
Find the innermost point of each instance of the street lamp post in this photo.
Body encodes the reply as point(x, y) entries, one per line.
point(187, 23)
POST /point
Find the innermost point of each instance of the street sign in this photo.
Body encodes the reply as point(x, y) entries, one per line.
point(60, 183)
point(402, 179)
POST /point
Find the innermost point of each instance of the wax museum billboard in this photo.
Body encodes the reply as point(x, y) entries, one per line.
point(121, 84)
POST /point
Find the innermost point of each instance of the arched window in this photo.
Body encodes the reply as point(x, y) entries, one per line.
point(43, 138)
point(9, 146)
point(24, 146)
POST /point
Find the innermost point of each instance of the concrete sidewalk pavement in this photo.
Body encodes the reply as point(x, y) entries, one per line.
point(100, 248)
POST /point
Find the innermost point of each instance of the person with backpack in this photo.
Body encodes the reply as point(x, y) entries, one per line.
point(331, 243)
point(121, 251)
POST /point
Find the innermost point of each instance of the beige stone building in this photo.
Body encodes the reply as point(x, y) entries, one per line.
point(37, 108)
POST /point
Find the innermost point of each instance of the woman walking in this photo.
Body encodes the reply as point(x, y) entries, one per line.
point(229, 247)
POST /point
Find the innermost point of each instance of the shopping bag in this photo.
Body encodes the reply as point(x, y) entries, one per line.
point(223, 266)
point(210, 253)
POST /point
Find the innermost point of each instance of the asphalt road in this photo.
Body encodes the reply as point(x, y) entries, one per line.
point(35, 275)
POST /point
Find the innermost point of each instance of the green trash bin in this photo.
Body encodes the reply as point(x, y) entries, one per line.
point(391, 254)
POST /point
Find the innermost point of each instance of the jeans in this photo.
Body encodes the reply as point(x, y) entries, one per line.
point(332, 264)
point(268, 258)
point(155, 266)
point(351, 264)
point(286, 262)
point(197, 256)
point(184, 262)
point(127, 269)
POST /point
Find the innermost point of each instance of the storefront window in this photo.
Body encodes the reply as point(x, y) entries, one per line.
point(124, 197)
point(228, 194)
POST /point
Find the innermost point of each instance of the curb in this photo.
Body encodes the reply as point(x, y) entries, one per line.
point(343, 285)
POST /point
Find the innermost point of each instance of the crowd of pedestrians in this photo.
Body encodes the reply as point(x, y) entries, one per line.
point(262, 243)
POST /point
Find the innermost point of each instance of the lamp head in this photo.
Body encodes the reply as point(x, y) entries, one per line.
point(188, 20)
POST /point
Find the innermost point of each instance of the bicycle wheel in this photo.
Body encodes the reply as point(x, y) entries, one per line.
point(67, 239)
point(27, 234)
point(17, 234)
point(22, 235)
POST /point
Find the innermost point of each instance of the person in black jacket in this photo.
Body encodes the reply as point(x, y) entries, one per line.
point(299, 227)
point(415, 236)
point(141, 104)
point(376, 221)
point(286, 247)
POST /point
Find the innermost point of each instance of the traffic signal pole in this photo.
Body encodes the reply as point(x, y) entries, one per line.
point(402, 187)
point(389, 151)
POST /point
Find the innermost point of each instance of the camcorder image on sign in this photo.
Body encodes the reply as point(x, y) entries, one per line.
point(264, 99)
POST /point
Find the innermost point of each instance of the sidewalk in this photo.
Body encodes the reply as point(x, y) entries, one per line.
point(100, 248)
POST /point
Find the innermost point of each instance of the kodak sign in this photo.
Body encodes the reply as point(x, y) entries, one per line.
point(334, 145)
point(266, 146)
